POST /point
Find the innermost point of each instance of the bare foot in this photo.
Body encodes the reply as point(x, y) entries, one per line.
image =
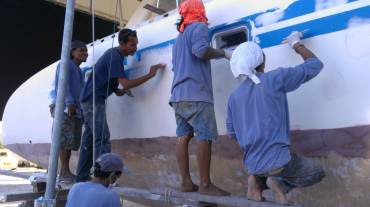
point(189, 187)
point(278, 192)
point(213, 190)
point(254, 191)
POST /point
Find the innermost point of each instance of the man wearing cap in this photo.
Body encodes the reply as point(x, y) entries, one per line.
point(192, 95)
point(109, 74)
point(96, 193)
point(258, 118)
point(72, 120)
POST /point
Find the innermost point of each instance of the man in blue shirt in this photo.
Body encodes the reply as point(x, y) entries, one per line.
point(192, 95)
point(96, 193)
point(258, 118)
point(72, 120)
point(108, 74)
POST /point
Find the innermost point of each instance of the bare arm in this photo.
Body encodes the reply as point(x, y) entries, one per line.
point(303, 51)
point(212, 53)
point(127, 84)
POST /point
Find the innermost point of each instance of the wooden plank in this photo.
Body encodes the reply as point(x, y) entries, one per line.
point(164, 195)
point(174, 197)
point(61, 195)
point(14, 174)
point(147, 195)
point(21, 197)
point(234, 201)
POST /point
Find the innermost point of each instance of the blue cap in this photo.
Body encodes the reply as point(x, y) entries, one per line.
point(111, 162)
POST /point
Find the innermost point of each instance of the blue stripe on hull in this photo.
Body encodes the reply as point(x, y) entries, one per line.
point(316, 27)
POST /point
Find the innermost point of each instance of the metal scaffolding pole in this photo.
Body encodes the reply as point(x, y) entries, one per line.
point(59, 108)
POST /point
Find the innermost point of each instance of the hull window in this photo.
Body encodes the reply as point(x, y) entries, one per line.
point(231, 38)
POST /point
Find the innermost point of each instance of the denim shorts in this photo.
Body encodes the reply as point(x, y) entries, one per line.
point(298, 172)
point(195, 118)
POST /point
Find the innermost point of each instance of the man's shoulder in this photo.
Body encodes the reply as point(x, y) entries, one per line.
point(109, 53)
point(112, 194)
point(235, 94)
point(79, 186)
point(274, 75)
point(197, 26)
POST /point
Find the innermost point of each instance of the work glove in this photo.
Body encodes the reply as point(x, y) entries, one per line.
point(293, 38)
point(228, 54)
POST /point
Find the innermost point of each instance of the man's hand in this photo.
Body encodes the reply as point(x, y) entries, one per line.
point(228, 54)
point(154, 68)
point(72, 110)
point(120, 92)
point(293, 38)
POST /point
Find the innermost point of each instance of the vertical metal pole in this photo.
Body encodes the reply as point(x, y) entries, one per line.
point(59, 109)
point(177, 3)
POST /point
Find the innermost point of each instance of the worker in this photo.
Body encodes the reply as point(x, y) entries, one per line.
point(192, 95)
point(258, 118)
point(97, 193)
point(72, 117)
point(108, 75)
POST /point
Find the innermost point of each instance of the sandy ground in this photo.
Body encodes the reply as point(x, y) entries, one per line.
point(14, 185)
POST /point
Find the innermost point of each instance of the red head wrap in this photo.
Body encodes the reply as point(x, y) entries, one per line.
point(192, 11)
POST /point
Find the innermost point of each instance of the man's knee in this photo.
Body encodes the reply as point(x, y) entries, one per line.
point(317, 176)
point(185, 139)
point(314, 177)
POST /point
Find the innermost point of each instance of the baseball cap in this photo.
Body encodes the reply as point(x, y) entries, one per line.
point(77, 44)
point(111, 162)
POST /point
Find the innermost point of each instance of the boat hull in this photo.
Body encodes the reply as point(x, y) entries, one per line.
point(344, 154)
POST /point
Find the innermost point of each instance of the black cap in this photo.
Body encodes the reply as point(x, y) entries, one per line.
point(77, 44)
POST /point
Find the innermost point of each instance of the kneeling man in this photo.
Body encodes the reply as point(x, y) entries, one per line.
point(258, 118)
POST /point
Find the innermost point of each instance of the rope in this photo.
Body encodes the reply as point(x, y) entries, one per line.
point(109, 73)
point(92, 5)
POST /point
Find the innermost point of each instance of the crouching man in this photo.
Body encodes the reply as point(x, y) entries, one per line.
point(96, 193)
point(258, 118)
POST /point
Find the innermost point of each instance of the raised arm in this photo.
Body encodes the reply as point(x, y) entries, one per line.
point(200, 45)
point(294, 77)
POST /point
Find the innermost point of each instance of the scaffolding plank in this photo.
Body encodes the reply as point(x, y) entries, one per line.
point(61, 195)
point(175, 197)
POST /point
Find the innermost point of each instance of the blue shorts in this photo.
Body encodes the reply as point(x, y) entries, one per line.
point(196, 118)
point(298, 172)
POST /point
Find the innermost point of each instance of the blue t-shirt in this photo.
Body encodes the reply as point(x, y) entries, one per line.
point(192, 75)
point(258, 115)
point(108, 68)
point(89, 194)
point(75, 83)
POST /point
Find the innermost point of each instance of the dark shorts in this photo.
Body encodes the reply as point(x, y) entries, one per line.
point(298, 172)
point(196, 118)
point(71, 131)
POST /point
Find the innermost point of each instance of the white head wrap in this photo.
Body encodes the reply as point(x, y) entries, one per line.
point(245, 59)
